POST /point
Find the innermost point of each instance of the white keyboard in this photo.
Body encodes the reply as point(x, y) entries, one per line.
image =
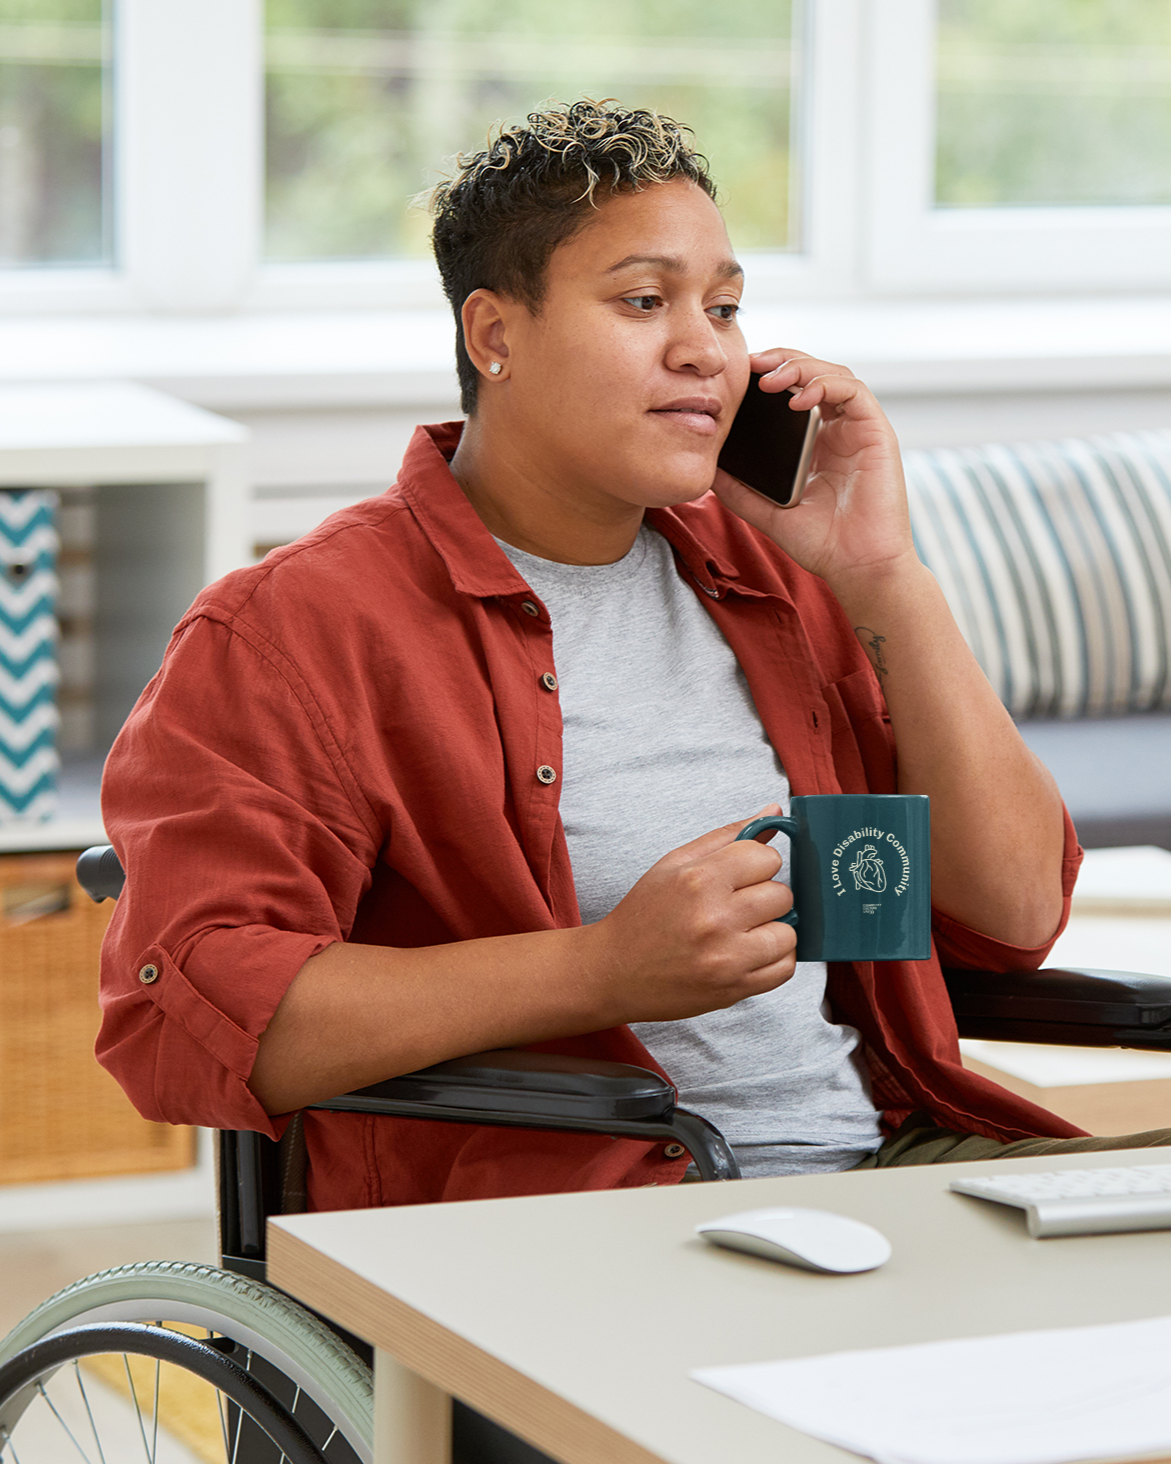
point(1082, 1201)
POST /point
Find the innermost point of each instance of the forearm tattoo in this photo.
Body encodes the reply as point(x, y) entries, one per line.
point(874, 644)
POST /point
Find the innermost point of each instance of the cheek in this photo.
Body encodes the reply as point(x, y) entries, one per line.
point(738, 371)
point(567, 367)
point(602, 394)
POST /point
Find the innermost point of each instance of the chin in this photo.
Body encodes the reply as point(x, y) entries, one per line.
point(684, 488)
point(680, 482)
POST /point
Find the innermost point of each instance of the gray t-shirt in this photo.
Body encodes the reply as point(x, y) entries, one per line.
point(662, 742)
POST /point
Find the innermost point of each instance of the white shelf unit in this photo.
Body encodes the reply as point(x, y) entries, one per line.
point(171, 502)
point(171, 497)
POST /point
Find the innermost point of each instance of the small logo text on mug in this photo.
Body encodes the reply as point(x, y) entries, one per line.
point(867, 867)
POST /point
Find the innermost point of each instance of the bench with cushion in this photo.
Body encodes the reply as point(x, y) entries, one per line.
point(1055, 558)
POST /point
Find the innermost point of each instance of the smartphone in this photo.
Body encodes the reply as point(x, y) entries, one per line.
point(770, 447)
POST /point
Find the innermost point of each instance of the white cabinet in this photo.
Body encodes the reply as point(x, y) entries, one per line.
point(170, 501)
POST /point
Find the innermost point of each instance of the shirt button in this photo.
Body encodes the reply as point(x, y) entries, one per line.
point(529, 608)
point(148, 974)
point(549, 681)
point(674, 1151)
point(547, 774)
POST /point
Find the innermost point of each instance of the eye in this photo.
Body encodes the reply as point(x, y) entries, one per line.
point(645, 303)
point(726, 312)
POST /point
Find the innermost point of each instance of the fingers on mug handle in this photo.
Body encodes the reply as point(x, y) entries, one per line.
point(769, 822)
point(772, 823)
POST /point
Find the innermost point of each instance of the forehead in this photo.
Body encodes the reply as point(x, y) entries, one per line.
point(674, 226)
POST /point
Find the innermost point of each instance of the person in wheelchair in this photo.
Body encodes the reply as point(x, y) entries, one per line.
point(463, 768)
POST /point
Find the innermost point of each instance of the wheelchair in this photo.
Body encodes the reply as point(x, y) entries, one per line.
point(177, 1362)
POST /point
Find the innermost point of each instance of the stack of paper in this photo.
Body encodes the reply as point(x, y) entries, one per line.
point(1129, 881)
point(1029, 1398)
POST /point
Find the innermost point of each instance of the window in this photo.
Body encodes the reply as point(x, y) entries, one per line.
point(263, 154)
point(1020, 146)
point(365, 99)
point(1064, 102)
point(54, 132)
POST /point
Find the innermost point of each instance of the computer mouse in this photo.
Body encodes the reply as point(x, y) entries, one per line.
point(816, 1240)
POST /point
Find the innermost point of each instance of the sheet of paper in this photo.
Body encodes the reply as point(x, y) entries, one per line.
point(1050, 1397)
point(1138, 876)
point(1068, 1067)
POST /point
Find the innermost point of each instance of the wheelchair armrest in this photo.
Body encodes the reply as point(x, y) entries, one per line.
point(1070, 1006)
point(524, 1083)
point(505, 1089)
point(518, 1089)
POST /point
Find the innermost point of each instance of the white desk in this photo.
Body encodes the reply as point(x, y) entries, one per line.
point(575, 1319)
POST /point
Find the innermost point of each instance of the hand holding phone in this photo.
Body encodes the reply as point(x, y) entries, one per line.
point(770, 447)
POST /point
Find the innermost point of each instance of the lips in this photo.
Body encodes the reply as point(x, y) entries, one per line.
point(697, 414)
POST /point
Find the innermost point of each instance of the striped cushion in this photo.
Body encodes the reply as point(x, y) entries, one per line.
point(1055, 558)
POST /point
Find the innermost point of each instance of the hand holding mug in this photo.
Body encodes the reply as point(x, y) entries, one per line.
point(861, 867)
point(699, 931)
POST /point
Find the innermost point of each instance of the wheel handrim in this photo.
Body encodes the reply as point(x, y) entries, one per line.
point(242, 1402)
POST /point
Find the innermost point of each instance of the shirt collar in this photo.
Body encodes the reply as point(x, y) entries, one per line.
point(475, 561)
point(714, 575)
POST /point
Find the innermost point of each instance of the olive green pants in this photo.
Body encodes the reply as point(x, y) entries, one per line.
point(921, 1141)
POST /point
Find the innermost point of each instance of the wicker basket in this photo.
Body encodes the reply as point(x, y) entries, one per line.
point(61, 1115)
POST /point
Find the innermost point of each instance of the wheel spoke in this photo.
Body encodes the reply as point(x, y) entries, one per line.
point(6, 1443)
point(61, 1421)
point(137, 1408)
point(89, 1411)
point(219, 1398)
point(154, 1451)
point(239, 1426)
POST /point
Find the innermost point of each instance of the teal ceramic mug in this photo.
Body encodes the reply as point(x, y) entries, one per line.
point(861, 875)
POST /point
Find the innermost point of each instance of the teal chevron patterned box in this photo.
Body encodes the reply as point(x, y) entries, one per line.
point(28, 662)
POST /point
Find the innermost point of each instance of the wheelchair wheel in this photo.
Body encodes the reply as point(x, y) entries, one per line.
point(306, 1368)
point(55, 1401)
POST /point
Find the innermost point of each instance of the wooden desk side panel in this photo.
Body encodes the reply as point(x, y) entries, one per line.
point(413, 1339)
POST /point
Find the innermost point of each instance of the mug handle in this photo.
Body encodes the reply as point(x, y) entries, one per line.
point(786, 826)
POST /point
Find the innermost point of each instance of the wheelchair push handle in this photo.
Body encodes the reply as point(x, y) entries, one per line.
point(100, 874)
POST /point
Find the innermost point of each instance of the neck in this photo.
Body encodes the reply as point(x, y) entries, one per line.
point(549, 514)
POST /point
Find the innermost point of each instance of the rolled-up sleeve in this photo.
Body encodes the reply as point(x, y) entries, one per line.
point(247, 847)
point(959, 945)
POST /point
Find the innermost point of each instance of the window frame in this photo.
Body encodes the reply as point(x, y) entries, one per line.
point(188, 106)
point(187, 166)
point(824, 132)
point(913, 247)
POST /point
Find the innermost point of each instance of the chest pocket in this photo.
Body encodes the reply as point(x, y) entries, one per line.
point(863, 746)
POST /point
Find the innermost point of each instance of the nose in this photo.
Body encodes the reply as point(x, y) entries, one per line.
point(695, 345)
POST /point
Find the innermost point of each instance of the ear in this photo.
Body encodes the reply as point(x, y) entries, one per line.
point(484, 317)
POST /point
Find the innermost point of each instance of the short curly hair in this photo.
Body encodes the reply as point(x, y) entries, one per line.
point(507, 208)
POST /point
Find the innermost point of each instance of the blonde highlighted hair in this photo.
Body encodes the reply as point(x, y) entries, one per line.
point(506, 208)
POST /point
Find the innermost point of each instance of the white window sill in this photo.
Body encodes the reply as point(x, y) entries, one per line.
point(252, 360)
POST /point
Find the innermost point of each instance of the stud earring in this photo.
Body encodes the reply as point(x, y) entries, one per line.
point(495, 368)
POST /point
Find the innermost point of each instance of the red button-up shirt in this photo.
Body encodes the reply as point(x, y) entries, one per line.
point(351, 741)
